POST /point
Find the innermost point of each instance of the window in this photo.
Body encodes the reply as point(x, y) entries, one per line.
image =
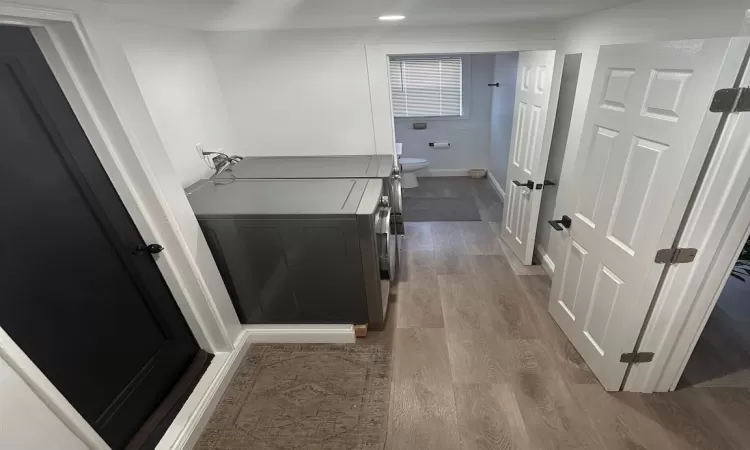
point(426, 87)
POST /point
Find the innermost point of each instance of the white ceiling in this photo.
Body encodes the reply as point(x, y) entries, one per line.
point(271, 14)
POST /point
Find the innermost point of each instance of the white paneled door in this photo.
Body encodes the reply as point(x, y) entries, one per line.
point(639, 160)
point(527, 160)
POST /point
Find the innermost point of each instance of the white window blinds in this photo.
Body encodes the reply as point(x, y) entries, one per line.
point(426, 87)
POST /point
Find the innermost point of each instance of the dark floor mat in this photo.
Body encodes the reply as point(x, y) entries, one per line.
point(289, 396)
point(440, 209)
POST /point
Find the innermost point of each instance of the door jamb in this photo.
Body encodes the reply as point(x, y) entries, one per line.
point(65, 43)
point(690, 291)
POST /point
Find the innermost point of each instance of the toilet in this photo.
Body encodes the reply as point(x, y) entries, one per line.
point(408, 168)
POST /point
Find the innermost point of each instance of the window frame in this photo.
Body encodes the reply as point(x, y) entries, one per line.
point(466, 86)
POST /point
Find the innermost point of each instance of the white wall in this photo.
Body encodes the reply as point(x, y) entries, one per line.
point(469, 135)
point(176, 76)
point(26, 423)
point(306, 92)
point(505, 72)
point(289, 95)
point(647, 20)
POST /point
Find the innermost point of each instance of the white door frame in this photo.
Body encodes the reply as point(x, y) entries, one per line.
point(380, 86)
point(70, 52)
point(717, 226)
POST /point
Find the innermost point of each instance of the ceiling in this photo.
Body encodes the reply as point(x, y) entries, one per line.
point(285, 14)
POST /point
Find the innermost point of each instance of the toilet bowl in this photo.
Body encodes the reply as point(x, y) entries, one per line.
point(408, 167)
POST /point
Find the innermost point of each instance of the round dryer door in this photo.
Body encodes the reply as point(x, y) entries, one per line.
point(386, 246)
point(397, 203)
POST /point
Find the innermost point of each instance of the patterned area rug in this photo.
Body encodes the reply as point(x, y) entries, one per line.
point(289, 396)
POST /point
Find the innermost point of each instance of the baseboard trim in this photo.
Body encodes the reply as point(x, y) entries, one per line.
point(547, 263)
point(301, 334)
point(193, 417)
point(443, 173)
point(498, 189)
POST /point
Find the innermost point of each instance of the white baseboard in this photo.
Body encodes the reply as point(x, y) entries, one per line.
point(547, 263)
point(301, 334)
point(193, 417)
point(496, 185)
point(443, 173)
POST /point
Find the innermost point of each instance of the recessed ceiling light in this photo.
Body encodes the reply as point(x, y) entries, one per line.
point(392, 17)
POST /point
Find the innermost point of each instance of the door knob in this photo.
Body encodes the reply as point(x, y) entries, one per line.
point(150, 249)
point(529, 184)
point(565, 222)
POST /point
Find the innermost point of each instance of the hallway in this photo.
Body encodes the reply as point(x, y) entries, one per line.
point(479, 363)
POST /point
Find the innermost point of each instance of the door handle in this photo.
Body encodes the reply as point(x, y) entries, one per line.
point(546, 183)
point(565, 222)
point(150, 249)
point(528, 185)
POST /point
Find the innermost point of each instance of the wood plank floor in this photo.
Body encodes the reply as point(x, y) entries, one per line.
point(478, 363)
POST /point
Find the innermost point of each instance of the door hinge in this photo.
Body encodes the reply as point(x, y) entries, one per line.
point(636, 358)
point(675, 255)
point(731, 100)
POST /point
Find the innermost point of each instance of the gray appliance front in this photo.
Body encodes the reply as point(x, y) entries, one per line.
point(292, 167)
point(297, 251)
point(354, 166)
point(290, 270)
point(379, 254)
point(297, 197)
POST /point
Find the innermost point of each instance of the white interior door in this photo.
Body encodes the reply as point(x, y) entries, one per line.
point(637, 165)
point(527, 159)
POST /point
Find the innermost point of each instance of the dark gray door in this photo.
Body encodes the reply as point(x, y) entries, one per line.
point(94, 316)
